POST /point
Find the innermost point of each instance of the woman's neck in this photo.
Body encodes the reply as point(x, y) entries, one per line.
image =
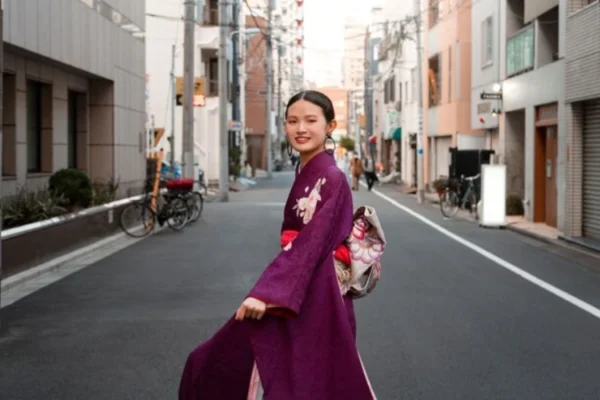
point(306, 157)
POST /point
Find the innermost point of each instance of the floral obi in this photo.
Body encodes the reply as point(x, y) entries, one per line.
point(342, 253)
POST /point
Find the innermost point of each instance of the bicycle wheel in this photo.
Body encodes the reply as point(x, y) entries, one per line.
point(449, 203)
point(137, 219)
point(178, 214)
point(196, 204)
point(474, 205)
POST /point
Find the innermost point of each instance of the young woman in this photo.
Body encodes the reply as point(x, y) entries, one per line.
point(294, 336)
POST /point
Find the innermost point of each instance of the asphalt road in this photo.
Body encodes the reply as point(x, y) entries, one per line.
point(446, 322)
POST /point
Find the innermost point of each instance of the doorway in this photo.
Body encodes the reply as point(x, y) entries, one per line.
point(546, 149)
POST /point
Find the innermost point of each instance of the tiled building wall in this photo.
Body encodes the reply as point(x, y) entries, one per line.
point(88, 46)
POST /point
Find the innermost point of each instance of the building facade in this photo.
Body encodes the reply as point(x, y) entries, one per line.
point(532, 128)
point(486, 72)
point(74, 77)
point(447, 89)
point(165, 30)
point(397, 105)
point(582, 115)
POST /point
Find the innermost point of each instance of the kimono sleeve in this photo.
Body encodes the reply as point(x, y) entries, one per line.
point(285, 281)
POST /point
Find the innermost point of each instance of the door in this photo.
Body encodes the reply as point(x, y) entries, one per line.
point(550, 176)
point(591, 171)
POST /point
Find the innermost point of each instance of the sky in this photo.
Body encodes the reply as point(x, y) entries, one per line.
point(324, 33)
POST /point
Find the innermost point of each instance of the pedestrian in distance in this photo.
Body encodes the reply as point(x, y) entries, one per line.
point(294, 336)
point(356, 170)
point(369, 170)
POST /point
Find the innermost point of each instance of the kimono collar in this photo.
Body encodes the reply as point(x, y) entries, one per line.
point(321, 161)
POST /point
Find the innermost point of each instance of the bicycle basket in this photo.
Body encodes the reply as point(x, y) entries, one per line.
point(180, 185)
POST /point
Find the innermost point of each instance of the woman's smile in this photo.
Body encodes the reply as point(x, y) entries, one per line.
point(302, 139)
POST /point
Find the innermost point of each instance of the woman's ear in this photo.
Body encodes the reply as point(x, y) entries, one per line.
point(331, 127)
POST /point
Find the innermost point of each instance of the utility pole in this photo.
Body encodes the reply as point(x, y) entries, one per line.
point(223, 91)
point(280, 50)
point(235, 38)
point(269, 72)
point(420, 156)
point(188, 88)
point(173, 101)
point(368, 93)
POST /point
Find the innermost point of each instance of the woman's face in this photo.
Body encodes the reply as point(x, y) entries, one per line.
point(306, 128)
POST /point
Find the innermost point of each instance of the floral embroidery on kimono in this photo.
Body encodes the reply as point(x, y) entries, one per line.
point(306, 206)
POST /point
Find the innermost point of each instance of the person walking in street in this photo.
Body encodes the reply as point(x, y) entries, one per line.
point(294, 335)
point(356, 170)
point(370, 175)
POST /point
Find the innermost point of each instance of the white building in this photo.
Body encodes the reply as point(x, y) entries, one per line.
point(532, 137)
point(73, 92)
point(396, 107)
point(164, 30)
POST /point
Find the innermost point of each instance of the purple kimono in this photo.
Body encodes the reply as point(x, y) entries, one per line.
point(305, 346)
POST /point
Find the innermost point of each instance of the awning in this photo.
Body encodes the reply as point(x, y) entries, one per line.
point(397, 134)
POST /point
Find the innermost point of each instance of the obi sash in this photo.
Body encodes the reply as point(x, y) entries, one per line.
point(342, 253)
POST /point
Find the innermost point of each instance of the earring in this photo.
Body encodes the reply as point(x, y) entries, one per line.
point(289, 149)
point(329, 151)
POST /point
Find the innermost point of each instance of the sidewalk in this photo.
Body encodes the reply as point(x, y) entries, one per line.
point(516, 224)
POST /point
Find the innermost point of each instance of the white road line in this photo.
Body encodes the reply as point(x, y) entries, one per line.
point(492, 257)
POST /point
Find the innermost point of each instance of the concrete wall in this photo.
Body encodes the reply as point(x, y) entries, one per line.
point(68, 44)
point(483, 77)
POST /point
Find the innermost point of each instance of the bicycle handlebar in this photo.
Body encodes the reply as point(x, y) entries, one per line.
point(470, 178)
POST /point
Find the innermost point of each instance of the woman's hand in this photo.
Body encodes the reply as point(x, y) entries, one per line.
point(251, 308)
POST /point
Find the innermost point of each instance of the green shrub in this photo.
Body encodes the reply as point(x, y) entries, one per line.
point(514, 205)
point(105, 192)
point(73, 185)
point(30, 206)
point(347, 143)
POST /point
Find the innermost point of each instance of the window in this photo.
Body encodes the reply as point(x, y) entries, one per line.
point(487, 42)
point(434, 75)
point(449, 74)
point(72, 131)
point(434, 12)
point(34, 126)
point(414, 84)
point(457, 71)
point(520, 52)
point(213, 77)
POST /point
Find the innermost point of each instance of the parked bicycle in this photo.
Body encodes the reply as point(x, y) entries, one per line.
point(176, 207)
point(451, 200)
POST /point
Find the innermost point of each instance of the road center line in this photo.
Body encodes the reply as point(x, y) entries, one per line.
point(492, 257)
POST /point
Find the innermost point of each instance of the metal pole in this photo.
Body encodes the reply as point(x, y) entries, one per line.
point(241, 66)
point(235, 106)
point(279, 95)
point(223, 91)
point(1, 122)
point(269, 72)
point(420, 156)
point(188, 88)
point(173, 101)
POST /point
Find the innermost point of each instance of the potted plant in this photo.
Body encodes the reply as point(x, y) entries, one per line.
point(440, 186)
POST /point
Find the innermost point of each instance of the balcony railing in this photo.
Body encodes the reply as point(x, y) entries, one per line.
point(520, 52)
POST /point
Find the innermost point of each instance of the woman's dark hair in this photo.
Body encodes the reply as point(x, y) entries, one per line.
point(318, 99)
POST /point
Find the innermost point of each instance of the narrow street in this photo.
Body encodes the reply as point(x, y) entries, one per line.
point(456, 315)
